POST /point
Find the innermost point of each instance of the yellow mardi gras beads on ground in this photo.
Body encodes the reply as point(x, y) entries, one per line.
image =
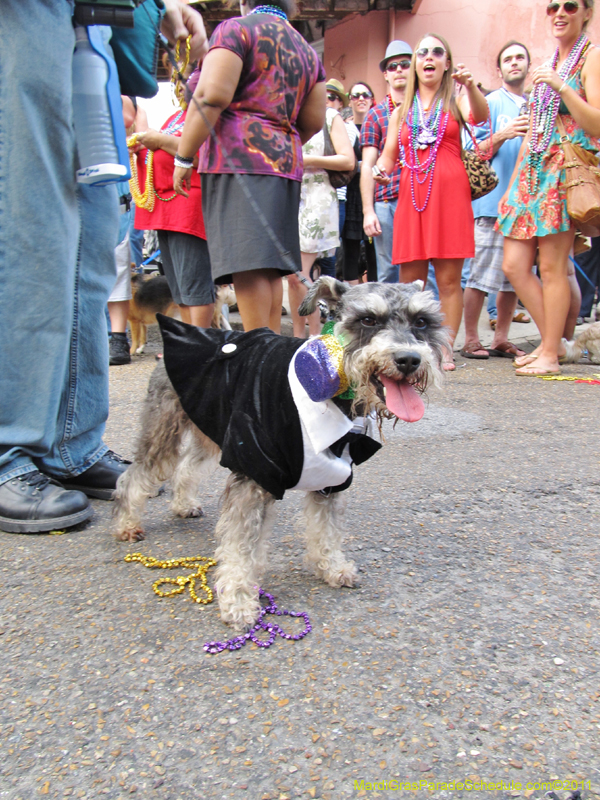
point(200, 564)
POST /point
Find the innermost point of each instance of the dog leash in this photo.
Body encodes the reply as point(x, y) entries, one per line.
point(283, 253)
point(581, 272)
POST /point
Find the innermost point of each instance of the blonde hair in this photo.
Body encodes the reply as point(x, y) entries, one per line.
point(446, 90)
point(588, 4)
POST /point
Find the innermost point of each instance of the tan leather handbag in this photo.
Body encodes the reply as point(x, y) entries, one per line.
point(582, 184)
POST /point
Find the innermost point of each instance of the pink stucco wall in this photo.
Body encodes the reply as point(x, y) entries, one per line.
point(475, 30)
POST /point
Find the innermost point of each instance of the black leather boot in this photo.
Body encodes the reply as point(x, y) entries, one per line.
point(100, 480)
point(34, 503)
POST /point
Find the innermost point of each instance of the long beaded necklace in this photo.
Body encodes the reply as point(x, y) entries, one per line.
point(200, 564)
point(146, 198)
point(272, 628)
point(391, 105)
point(274, 10)
point(546, 102)
point(425, 131)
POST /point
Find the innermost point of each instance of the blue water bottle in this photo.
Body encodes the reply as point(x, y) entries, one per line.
point(97, 112)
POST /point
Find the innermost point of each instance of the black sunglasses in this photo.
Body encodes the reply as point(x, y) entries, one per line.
point(332, 97)
point(570, 7)
point(393, 65)
point(358, 95)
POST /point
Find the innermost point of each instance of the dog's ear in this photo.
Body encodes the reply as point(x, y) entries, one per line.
point(419, 285)
point(327, 289)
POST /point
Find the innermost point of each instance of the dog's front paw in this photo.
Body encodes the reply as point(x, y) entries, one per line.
point(188, 511)
point(343, 573)
point(131, 535)
point(239, 609)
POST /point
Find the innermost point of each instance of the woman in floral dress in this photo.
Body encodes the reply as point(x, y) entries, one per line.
point(319, 212)
point(533, 213)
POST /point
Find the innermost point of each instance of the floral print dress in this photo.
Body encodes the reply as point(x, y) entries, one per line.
point(319, 212)
point(528, 214)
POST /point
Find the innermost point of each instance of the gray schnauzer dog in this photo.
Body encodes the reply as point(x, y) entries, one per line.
point(250, 399)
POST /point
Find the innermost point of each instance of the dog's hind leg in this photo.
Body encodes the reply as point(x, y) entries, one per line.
point(134, 327)
point(198, 451)
point(245, 522)
point(163, 425)
point(324, 556)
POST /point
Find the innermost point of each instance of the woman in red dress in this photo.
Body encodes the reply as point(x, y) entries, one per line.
point(434, 219)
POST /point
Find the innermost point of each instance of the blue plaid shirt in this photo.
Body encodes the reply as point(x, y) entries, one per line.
point(373, 134)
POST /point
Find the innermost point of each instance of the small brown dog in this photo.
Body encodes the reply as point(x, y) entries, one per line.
point(149, 297)
point(152, 296)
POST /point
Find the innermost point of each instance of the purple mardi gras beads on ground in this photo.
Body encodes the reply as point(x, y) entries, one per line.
point(272, 628)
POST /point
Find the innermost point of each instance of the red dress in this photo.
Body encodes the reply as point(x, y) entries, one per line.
point(180, 214)
point(445, 229)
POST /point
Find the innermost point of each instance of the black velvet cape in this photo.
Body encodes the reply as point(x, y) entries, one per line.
point(240, 397)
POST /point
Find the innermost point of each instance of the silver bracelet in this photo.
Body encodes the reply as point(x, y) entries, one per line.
point(184, 163)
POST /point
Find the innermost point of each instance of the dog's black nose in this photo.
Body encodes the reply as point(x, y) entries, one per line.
point(407, 363)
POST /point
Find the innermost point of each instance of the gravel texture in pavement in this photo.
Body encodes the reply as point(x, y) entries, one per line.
point(469, 652)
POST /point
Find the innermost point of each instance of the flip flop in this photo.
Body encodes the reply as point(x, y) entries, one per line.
point(531, 356)
point(470, 350)
point(532, 373)
point(521, 316)
point(506, 350)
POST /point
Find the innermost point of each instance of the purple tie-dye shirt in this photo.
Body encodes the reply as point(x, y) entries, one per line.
point(258, 127)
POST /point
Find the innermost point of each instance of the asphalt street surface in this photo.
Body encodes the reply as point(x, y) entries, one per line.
point(469, 653)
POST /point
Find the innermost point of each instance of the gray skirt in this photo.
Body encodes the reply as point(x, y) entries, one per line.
point(238, 240)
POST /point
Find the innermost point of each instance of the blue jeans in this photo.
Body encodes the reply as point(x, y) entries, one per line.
point(589, 263)
point(136, 240)
point(386, 271)
point(57, 266)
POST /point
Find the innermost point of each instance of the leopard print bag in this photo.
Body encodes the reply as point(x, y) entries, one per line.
point(482, 178)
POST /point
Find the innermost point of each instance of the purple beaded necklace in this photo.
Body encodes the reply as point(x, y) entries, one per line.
point(546, 102)
point(272, 628)
point(425, 131)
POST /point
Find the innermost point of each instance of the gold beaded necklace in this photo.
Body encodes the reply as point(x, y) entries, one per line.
point(198, 563)
point(146, 199)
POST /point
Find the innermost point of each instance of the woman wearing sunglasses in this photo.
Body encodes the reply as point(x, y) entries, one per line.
point(533, 213)
point(361, 101)
point(434, 219)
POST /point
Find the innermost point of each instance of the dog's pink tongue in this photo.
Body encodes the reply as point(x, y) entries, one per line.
point(402, 400)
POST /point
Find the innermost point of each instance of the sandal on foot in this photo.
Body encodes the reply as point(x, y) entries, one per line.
point(471, 349)
point(535, 372)
point(521, 316)
point(524, 361)
point(506, 350)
